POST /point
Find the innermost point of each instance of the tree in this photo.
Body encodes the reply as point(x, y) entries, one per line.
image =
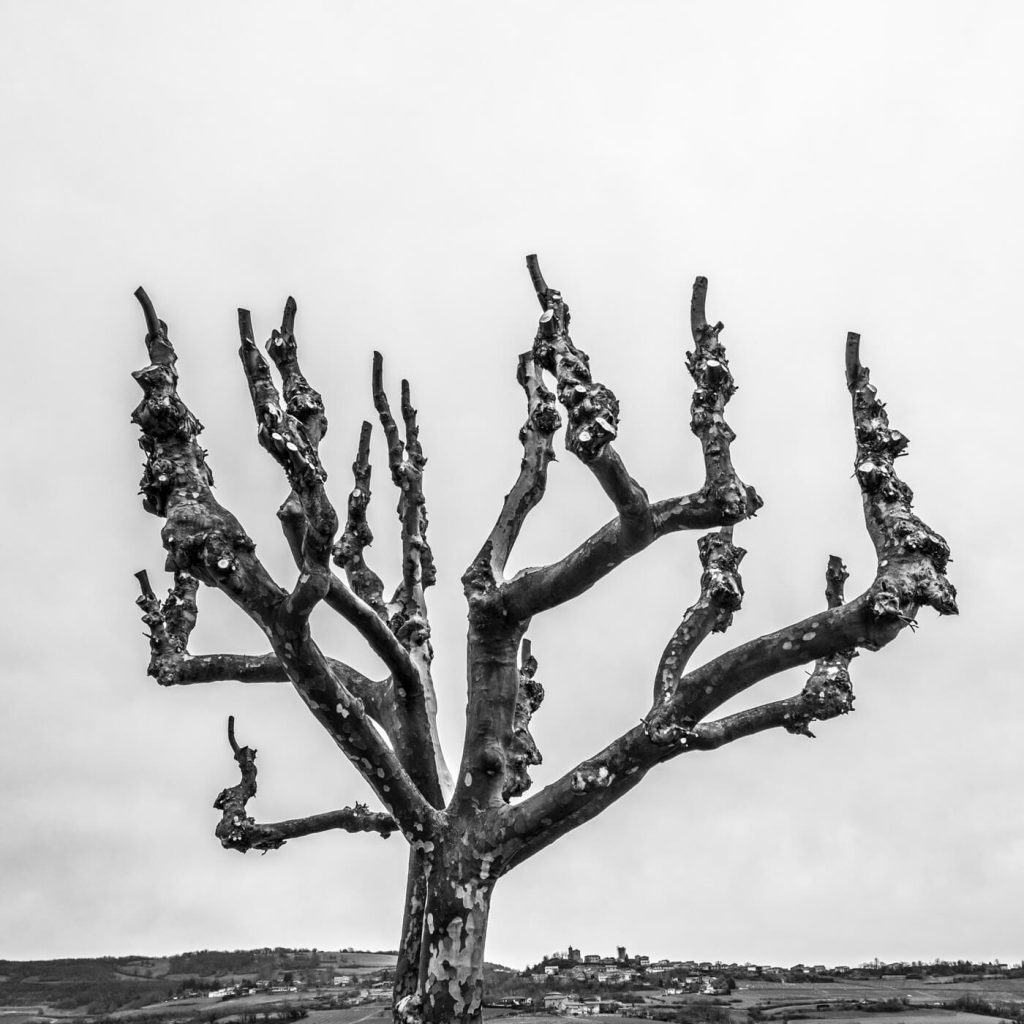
point(465, 834)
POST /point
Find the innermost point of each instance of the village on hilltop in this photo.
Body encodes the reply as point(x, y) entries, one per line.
point(282, 985)
point(578, 984)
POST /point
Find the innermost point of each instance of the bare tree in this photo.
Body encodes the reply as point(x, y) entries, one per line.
point(465, 834)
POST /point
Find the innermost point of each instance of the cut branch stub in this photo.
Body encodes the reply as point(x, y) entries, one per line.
point(304, 403)
point(234, 830)
point(170, 623)
point(912, 557)
point(522, 751)
point(828, 691)
point(709, 368)
point(593, 410)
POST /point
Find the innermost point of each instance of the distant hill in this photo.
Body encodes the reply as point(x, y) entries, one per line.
point(100, 985)
point(96, 986)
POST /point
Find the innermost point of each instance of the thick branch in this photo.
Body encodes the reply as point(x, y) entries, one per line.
point(577, 797)
point(202, 538)
point(237, 831)
point(536, 590)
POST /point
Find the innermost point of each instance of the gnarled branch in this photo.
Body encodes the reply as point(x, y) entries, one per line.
point(911, 572)
point(236, 830)
point(348, 552)
point(592, 410)
point(522, 751)
point(721, 592)
point(285, 437)
point(827, 693)
point(722, 500)
point(205, 540)
point(542, 420)
point(709, 368)
point(408, 609)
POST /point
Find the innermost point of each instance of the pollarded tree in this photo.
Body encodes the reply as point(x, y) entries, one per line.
point(465, 834)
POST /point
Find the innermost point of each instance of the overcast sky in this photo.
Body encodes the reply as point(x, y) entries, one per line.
point(829, 167)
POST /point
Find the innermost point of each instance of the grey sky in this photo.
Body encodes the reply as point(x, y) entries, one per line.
point(829, 167)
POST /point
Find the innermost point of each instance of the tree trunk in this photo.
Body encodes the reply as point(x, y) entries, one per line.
point(450, 977)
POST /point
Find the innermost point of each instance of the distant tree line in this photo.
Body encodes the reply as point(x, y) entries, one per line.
point(1007, 1010)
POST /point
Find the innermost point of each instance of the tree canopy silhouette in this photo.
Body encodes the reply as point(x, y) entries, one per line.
point(466, 833)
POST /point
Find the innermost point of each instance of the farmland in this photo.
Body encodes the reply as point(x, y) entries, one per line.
point(276, 986)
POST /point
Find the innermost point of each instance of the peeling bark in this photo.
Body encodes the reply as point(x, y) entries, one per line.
point(465, 834)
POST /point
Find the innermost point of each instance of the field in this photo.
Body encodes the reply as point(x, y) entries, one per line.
point(352, 963)
point(546, 1018)
point(776, 996)
point(355, 1015)
point(860, 1001)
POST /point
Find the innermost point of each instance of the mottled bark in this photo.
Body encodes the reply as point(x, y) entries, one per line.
point(464, 834)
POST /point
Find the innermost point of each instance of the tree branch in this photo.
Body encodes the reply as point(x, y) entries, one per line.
point(172, 665)
point(304, 403)
point(827, 693)
point(715, 386)
point(542, 420)
point(285, 437)
point(238, 831)
point(305, 408)
point(348, 552)
point(911, 572)
point(721, 592)
point(201, 537)
point(536, 590)
point(722, 501)
point(592, 409)
point(205, 540)
point(522, 751)
point(408, 609)
point(406, 461)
